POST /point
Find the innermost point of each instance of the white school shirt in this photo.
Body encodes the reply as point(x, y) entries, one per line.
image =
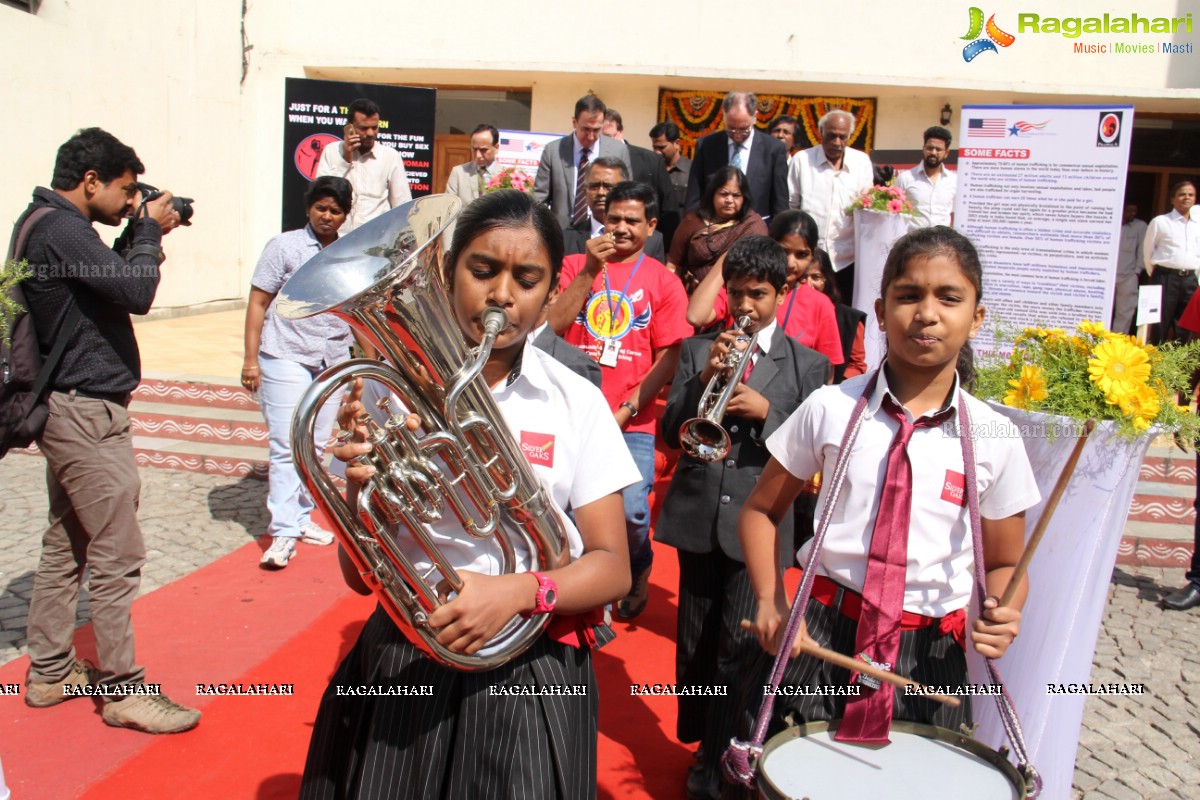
point(940, 573)
point(563, 425)
point(378, 177)
point(1173, 240)
point(816, 187)
point(934, 202)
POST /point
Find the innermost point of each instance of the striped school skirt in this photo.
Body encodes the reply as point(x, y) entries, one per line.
point(442, 733)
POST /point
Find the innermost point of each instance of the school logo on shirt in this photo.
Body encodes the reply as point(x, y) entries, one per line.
point(538, 448)
point(608, 314)
point(954, 488)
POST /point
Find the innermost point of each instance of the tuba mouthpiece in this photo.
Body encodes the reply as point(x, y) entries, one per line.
point(494, 320)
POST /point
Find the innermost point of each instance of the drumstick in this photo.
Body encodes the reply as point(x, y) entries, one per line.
point(1044, 521)
point(854, 665)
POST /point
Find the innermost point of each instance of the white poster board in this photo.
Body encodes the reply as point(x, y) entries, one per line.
point(1149, 310)
point(1040, 194)
point(523, 150)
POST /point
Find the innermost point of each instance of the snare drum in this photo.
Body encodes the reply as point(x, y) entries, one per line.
point(805, 762)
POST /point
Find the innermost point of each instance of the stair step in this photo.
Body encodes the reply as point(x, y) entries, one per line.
point(194, 393)
point(174, 426)
point(1177, 468)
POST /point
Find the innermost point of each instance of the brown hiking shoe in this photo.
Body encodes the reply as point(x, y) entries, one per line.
point(44, 695)
point(150, 713)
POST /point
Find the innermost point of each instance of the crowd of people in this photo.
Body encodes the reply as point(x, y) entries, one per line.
point(628, 277)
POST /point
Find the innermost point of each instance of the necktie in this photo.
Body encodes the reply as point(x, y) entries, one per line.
point(869, 716)
point(737, 157)
point(482, 180)
point(750, 366)
point(580, 209)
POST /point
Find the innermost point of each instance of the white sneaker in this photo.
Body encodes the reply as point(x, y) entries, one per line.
point(282, 550)
point(312, 533)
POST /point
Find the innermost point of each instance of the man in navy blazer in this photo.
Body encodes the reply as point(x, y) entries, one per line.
point(765, 164)
point(555, 183)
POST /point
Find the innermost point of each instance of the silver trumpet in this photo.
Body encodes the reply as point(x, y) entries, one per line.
point(385, 280)
point(702, 436)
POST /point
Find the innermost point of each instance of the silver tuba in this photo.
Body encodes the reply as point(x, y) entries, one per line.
point(385, 279)
point(702, 436)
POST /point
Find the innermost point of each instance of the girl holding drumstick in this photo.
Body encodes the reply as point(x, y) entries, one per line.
point(896, 573)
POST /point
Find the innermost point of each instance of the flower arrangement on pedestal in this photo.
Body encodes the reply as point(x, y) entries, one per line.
point(884, 199)
point(1095, 374)
point(510, 178)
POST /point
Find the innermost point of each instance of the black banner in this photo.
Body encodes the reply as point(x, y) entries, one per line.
point(314, 118)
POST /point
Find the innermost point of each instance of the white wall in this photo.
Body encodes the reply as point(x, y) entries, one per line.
point(163, 78)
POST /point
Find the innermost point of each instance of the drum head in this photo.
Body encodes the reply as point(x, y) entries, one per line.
point(921, 762)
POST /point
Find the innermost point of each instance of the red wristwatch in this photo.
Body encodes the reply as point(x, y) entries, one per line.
point(547, 595)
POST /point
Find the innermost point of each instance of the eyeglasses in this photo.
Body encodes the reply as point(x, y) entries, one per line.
point(746, 129)
point(596, 186)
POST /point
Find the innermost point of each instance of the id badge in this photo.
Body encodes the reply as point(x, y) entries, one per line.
point(608, 356)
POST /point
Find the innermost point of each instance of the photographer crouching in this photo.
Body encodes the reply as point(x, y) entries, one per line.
point(81, 299)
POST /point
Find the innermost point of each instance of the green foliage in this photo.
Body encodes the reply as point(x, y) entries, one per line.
point(13, 273)
point(1056, 373)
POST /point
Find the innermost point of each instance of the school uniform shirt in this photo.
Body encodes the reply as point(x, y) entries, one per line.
point(644, 307)
point(571, 440)
point(939, 575)
point(806, 315)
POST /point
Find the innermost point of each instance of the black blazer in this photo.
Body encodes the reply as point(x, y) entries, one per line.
point(568, 355)
point(650, 169)
point(766, 173)
point(703, 501)
point(575, 241)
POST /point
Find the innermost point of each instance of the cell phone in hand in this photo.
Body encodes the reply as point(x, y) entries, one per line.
point(350, 130)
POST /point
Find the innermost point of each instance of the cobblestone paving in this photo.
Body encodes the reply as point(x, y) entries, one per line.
point(188, 520)
point(1131, 748)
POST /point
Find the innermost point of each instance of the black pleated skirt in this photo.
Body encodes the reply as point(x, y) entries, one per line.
point(461, 740)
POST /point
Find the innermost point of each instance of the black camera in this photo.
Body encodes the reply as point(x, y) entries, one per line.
point(181, 205)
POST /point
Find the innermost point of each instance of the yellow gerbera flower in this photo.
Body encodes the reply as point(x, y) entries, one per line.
point(1092, 328)
point(1140, 405)
point(1118, 368)
point(1028, 389)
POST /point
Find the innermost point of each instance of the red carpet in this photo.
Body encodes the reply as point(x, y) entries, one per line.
point(234, 623)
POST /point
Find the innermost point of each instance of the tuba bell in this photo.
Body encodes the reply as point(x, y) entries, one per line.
point(702, 437)
point(385, 280)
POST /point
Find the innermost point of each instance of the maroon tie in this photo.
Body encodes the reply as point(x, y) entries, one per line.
point(869, 716)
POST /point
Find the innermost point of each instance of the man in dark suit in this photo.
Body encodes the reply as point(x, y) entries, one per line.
point(762, 158)
point(602, 176)
point(565, 353)
point(699, 516)
point(558, 182)
point(650, 169)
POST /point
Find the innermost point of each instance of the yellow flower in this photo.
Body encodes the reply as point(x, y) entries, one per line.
point(1118, 368)
point(1092, 328)
point(1141, 405)
point(1028, 389)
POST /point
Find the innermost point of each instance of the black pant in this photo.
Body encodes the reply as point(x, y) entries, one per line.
point(1177, 291)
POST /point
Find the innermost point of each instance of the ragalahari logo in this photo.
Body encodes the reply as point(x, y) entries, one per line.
point(978, 45)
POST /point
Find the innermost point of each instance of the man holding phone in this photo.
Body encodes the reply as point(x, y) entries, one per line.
point(375, 170)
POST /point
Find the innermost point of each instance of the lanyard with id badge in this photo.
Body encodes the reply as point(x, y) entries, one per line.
point(611, 347)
